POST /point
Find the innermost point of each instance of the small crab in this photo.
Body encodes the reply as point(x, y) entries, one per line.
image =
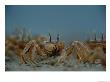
point(83, 53)
point(45, 48)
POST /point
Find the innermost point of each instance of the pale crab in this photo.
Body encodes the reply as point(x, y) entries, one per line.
point(83, 53)
point(45, 48)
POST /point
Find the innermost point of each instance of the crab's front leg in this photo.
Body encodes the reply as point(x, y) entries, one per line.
point(22, 59)
point(34, 51)
point(39, 50)
point(65, 54)
point(62, 57)
point(31, 55)
point(27, 54)
point(19, 54)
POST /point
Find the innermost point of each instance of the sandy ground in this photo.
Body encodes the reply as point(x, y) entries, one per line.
point(12, 64)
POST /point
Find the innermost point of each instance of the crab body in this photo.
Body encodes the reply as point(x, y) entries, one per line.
point(42, 49)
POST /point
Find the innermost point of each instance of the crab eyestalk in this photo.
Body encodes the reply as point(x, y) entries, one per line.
point(95, 37)
point(50, 39)
point(58, 37)
point(102, 37)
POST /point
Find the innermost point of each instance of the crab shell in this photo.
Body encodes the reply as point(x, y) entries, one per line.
point(52, 48)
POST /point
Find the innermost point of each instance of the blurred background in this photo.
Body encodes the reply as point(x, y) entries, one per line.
point(71, 22)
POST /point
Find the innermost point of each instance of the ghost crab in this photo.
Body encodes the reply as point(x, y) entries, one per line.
point(83, 53)
point(45, 48)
